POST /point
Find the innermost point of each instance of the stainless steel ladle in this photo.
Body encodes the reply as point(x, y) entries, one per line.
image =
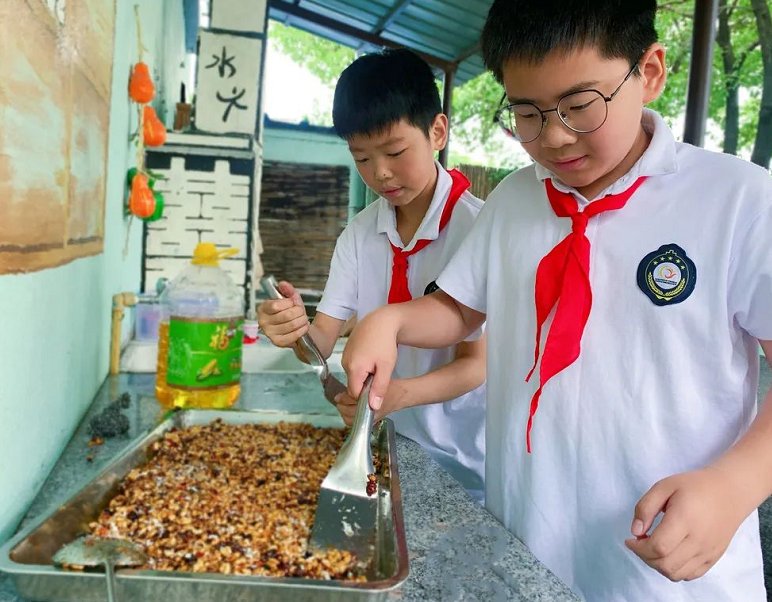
point(90, 551)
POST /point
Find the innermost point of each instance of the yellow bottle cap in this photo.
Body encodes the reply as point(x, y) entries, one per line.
point(209, 255)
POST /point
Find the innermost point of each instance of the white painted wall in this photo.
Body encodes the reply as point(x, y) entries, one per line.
point(298, 146)
point(55, 324)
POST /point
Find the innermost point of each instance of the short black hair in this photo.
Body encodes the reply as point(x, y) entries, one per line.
point(529, 30)
point(377, 90)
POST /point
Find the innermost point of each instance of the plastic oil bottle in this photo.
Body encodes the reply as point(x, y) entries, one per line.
point(200, 335)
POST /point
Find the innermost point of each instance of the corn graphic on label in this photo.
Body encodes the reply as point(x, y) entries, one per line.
point(204, 354)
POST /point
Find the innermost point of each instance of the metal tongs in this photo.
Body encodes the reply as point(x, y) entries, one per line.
point(347, 511)
point(308, 350)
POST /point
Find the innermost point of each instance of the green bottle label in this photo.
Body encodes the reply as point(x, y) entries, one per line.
point(204, 354)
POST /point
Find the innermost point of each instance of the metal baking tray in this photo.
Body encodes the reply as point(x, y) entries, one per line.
point(27, 556)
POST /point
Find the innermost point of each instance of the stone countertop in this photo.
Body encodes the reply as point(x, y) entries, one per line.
point(457, 549)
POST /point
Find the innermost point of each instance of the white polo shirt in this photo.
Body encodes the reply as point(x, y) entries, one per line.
point(657, 389)
point(360, 275)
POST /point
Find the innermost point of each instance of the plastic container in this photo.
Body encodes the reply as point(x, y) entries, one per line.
point(200, 335)
point(147, 317)
point(251, 330)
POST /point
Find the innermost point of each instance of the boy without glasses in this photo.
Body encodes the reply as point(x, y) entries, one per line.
point(387, 108)
point(628, 277)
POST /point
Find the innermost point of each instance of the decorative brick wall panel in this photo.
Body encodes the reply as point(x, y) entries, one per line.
point(207, 199)
point(303, 210)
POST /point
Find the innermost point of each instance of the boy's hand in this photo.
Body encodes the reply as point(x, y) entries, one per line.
point(702, 511)
point(283, 321)
point(347, 405)
point(372, 349)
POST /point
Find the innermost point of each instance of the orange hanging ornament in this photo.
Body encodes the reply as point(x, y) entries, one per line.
point(141, 87)
point(141, 199)
point(153, 131)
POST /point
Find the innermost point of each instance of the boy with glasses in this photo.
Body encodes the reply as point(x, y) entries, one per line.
point(626, 279)
point(387, 108)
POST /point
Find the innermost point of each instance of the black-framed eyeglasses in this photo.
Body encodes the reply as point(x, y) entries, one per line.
point(583, 112)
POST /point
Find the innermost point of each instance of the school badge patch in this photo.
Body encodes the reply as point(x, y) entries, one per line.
point(667, 276)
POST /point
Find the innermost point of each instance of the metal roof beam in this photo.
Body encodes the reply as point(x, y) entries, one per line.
point(391, 16)
point(353, 32)
point(698, 91)
point(447, 101)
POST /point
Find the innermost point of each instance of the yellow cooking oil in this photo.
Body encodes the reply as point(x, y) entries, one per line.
point(172, 397)
point(200, 335)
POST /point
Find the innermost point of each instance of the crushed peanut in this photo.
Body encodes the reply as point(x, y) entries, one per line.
point(233, 499)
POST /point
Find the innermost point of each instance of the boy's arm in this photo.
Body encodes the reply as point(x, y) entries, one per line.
point(464, 373)
point(284, 321)
point(704, 508)
point(751, 457)
point(432, 321)
point(324, 330)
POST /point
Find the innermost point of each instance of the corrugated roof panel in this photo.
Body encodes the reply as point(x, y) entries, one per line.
point(470, 69)
point(471, 14)
point(445, 29)
point(395, 12)
point(437, 45)
point(429, 47)
point(454, 32)
point(344, 7)
point(464, 75)
point(317, 29)
point(355, 13)
point(465, 72)
point(320, 31)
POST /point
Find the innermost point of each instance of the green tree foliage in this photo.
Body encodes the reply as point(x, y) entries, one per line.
point(323, 58)
point(762, 145)
point(477, 101)
point(674, 26)
point(737, 74)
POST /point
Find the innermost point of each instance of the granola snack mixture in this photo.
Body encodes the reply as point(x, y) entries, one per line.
point(233, 499)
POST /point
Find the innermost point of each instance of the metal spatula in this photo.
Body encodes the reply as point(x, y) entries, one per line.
point(89, 551)
point(331, 385)
point(346, 515)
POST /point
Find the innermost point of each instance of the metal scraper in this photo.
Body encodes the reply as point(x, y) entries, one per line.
point(346, 514)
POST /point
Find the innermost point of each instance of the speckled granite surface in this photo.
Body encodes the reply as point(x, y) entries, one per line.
point(458, 551)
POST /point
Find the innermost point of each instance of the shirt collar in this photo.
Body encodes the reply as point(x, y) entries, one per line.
point(659, 158)
point(430, 225)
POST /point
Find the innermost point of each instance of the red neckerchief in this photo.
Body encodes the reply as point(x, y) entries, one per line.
point(399, 291)
point(563, 278)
